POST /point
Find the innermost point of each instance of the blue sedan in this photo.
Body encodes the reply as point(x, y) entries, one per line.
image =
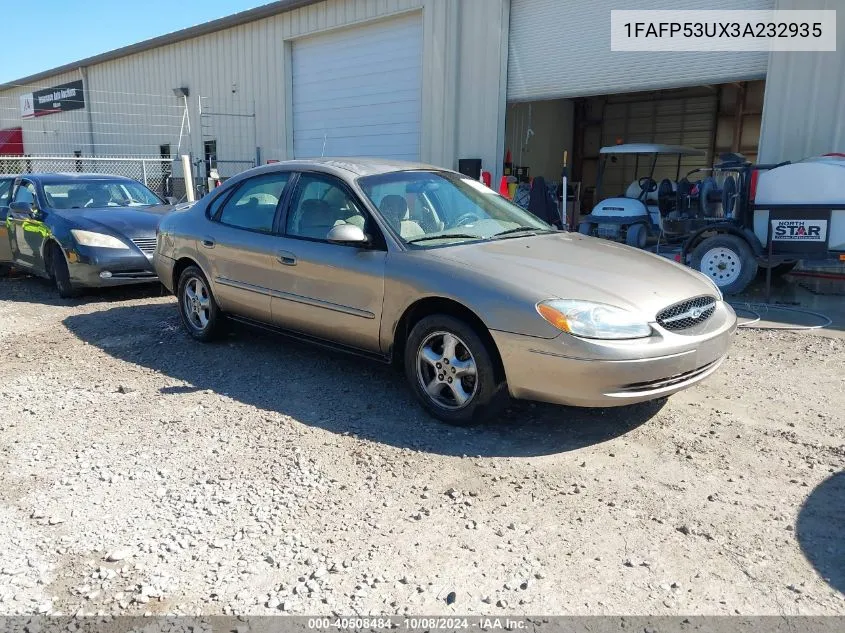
point(81, 230)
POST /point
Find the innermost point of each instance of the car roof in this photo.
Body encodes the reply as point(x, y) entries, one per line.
point(359, 166)
point(64, 177)
point(651, 148)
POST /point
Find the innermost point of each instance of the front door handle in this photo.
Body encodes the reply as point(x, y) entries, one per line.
point(287, 258)
point(208, 242)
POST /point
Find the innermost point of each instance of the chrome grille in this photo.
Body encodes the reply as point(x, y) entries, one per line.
point(686, 314)
point(147, 245)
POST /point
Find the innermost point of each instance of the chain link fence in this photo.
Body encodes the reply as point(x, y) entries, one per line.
point(162, 175)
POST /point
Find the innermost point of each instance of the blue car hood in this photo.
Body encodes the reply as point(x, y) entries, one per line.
point(131, 222)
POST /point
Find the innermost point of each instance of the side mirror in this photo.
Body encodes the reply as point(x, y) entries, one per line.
point(23, 208)
point(347, 234)
point(172, 200)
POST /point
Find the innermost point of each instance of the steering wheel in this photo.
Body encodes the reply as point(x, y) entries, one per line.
point(647, 185)
point(466, 218)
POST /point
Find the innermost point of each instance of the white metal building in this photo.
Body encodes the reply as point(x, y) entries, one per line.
point(435, 80)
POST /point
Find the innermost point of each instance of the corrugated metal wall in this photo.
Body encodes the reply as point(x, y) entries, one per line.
point(804, 106)
point(245, 70)
point(561, 48)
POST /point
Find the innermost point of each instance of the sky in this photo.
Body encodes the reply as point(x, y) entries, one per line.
point(65, 31)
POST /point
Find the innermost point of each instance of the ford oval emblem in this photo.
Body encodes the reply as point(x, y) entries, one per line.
point(696, 312)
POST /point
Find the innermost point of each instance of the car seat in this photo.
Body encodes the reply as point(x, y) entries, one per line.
point(316, 219)
point(394, 209)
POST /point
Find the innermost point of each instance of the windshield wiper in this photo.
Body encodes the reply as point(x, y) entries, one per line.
point(521, 229)
point(447, 236)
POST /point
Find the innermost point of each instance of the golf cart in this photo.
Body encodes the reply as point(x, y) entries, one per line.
point(735, 218)
point(639, 213)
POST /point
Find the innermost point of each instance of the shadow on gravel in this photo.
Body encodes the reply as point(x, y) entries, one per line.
point(21, 288)
point(334, 391)
point(821, 530)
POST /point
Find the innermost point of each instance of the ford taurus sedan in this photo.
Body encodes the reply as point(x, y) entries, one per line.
point(421, 266)
point(81, 230)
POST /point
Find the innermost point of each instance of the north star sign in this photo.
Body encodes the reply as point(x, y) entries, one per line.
point(51, 100)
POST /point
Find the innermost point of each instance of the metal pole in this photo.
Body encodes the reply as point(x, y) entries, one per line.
point(144, 172)
point(189, 177)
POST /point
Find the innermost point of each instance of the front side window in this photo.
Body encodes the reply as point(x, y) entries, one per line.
point(321, 203)
point(433, 208)
point(25, 193)
point(253, 205)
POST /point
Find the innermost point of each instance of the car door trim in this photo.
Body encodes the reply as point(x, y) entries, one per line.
point(242, 285)
point(288, 296)
point(317, 303)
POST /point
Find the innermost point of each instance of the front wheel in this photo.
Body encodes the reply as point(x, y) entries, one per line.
point(636, 236)
point(727, 260)
point(60, 274)
point(197, 307)
point(451, 371)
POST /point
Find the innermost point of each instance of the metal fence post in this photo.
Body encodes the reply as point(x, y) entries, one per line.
point(188, 168)
point(144, 172)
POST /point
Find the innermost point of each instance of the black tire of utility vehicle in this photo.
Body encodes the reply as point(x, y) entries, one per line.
point(194, 278)
point(489, 396)
point(741, 255)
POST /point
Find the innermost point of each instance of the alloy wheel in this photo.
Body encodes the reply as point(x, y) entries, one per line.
point(446, 370)
point(196, 303)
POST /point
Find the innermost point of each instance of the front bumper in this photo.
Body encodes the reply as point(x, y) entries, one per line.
point(126, 267)
point(590, 373)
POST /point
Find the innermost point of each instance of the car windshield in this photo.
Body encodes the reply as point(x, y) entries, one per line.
point(5, 187)
point(98, 194)
point(434, 208)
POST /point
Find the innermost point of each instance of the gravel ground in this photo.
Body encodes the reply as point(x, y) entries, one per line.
point(142, 472)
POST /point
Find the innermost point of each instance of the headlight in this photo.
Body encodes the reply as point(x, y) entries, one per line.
point(99, 240)
point(593, 320)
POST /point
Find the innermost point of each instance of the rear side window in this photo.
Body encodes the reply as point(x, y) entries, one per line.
point(253, 205)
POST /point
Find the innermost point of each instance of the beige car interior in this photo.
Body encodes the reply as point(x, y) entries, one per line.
point(394, 209)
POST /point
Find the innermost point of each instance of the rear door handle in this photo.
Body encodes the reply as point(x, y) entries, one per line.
point(208, 243)
point(287, 258)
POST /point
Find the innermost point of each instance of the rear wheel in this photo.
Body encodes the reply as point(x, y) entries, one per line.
point(197, 307)
point(451, 371)
point(727, 260)
point(59, 272)
point(636, 236)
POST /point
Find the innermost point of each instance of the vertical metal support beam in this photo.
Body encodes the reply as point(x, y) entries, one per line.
point(144, 172)
point(187, 170)
point(86, 95)
point(738, 117)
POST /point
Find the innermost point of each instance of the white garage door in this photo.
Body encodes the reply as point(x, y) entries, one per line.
point(358, 91)
point(561, 48)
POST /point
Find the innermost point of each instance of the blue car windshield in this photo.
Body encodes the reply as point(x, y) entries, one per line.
point(98, 194)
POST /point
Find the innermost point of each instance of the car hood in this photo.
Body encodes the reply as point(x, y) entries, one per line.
point(128, 221)
point(573, 266)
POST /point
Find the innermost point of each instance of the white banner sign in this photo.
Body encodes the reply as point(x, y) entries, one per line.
point(799, 230)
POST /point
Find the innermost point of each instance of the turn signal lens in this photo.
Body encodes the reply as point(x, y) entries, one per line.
point(555, 317)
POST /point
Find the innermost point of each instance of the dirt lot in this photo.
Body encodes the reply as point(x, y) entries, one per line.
point(144, 472)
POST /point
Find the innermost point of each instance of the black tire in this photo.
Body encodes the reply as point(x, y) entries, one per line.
point(732, 266)
point(636, 236)
point(488, 395)
point(193, 279)
point(778, 270)
point(59, 273)
point(585, 228)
